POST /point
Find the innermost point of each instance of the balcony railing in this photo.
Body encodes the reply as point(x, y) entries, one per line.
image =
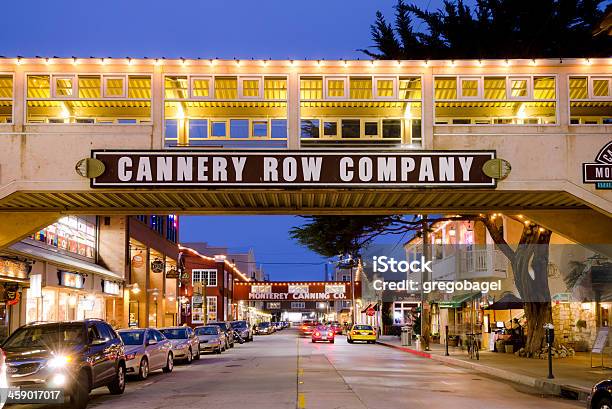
point(483, 263)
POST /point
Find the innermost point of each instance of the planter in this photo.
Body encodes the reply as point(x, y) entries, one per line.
point(452, 341)
point(500, 346)
point(509, 349)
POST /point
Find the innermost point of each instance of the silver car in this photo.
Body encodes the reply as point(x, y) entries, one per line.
point(185, 344)
point(146, 350)
point(212, 339)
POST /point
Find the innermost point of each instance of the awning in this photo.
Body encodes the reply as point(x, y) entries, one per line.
point(366, 308)
point(69, 263)
point(507, 302)
point(458, 300)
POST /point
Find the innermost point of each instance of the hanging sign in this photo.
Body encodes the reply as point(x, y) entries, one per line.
point(172, 273)
point(303, 169)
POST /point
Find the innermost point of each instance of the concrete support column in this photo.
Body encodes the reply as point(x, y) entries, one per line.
point(157, 108)
point(16, 226)
point(427, 121)
point(293, 111)
point(563, 100)
point(19, 97)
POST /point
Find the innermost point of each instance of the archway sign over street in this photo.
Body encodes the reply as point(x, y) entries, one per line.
point(287, 169)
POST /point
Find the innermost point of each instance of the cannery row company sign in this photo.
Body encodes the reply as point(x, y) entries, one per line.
point(599, 172)
point(314, 291)
point(286, 169)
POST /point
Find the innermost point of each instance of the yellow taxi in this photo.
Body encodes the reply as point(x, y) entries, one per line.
point(361, 332)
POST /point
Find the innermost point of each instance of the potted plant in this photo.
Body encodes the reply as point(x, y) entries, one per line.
point(509, 347)
point(452, 340)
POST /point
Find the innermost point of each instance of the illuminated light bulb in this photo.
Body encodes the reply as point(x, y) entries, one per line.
point(18, 61)
point(533, 62)
point(541, 230)
point(587, 61)
point(399, 63)
point(480, 63)
point(526, 222)
point(180, 113)
point(129, 61)
point(425, 63)
point(157, 61)
point(238, 63)
point(75, 61)
point(102, 61)
point(520, 216)
point(407, 111)
point(507, 63)
point(452, 63)
point(291, 62)
point(183, 62)
point(521, 114)
point(47, 61)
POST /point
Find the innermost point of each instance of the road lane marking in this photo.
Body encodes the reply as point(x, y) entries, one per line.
point(301, 404)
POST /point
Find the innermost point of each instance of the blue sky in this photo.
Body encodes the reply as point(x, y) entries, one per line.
point(278, 29)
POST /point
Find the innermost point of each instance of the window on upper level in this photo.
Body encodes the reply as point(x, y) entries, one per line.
point(172, 227)
point(157, 224)
point(237, 111)
point(88, 99)
point(360, 110)
point(6, 99)
point(71, 234)
point(495, 100)
point(590, 99)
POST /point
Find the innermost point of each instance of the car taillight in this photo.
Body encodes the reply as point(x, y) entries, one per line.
point(317, 334)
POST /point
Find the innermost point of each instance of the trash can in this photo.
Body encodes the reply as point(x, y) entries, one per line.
point(406, 336)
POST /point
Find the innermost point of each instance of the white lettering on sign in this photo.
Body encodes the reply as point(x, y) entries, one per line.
point(346, 172)
point(466, 165)
point(426, 172)
point(144, 170)
point(239, 167)
point(164, 168)
point(270, 171)
point(387, 169)
point(312, 168)
point(184, 168)
point(124, 174)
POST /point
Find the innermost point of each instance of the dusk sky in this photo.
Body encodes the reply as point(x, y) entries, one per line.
point(277, 29)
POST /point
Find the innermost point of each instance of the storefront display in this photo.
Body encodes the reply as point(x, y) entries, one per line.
point(71, 234)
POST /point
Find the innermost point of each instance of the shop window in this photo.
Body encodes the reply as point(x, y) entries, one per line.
point(90, 86)
point(278, 128)
point(336, 87)
point(39, 86)
point(171, 132)
point(544, 88)
point(259, 129)
point(330, 128)
point(211, 308)
point(275, 88)
point(218, 129)
point(71, 234)
point(360, 87)
point(470, 87)
point(114, 87)
point(311, 88)
point(392, 128)
point(494, 87)
point(201, 87)
point(351, 128)
point(371, 128)
point(175, 87)
point(601, 87)
point(198, 129)
point(410, 88)
point(250, 88)
point(309, 128)
point(590, 100)
point(385, 87)
point(6, 98)
point(226, 88)
point(445, 88)
point(239, 128)
point(519, 88)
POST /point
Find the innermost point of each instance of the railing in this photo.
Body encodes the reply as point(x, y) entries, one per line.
point(483, 263)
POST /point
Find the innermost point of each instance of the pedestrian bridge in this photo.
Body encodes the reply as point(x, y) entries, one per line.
point(306, 137)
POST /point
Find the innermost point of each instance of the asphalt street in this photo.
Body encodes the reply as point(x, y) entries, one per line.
point(284, 371)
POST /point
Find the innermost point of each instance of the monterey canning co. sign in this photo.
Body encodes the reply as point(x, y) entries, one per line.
point(291, 169)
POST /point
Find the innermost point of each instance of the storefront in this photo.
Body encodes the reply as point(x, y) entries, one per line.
point(13, 279)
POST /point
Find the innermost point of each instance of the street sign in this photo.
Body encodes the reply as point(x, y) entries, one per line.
point(370, 312)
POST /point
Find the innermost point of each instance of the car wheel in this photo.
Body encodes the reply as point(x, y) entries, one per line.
point(604, 403)
point(331, 342)
point(189, 358)
point(218, 351)
point(143, 369)
point(117, 386)
point(350, 341)
point(313, 341)
point(169, 364)
point(80, 394)
point(197, 356)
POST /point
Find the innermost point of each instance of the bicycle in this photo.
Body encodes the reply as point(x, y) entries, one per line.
point(473, 346)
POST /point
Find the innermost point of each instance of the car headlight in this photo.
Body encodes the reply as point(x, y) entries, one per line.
point(59, 361)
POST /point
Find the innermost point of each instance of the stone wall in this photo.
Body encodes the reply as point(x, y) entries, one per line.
point(565, 317)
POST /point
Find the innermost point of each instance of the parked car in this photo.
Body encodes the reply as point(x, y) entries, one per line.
point(323, 333)
point(243, 328)
point(601, 395)
point(307, 328)
point(264, 328)
point(337, 327)
point(360, 332)
point(185, 345)
point(77, 356)
point(227, 330)
point(212, 339)
point(146, 350)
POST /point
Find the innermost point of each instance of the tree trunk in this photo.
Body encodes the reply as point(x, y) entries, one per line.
point(537, 315)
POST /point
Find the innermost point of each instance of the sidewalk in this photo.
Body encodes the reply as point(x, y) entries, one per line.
point(574, 376)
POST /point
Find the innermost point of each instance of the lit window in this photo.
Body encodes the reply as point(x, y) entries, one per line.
point(445, 88)
point(6, 99)
point(335, 88)
point(544, 87)
point(250, 88)
point(226, 88)
point(218, 128)
point(309, 128)
point(385, 87)
point(239, 128)
point(139, 87)
point(114, 87)
point(519, 88)
point(90, 86)
point(39, 86)
point(175, 87)
point(578, 88)
point(63, 86)
point(495, 87)
point(410, 88)
point(275, 88)
point(311, 88)
point(601, 87)
point(360, 88)
point(6, 86)
point(200, 87)
point(470, 87)
point(260, 129)
point(198, 128)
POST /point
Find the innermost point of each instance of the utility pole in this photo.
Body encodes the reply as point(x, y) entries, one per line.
point(353, 293)
point(424, 277)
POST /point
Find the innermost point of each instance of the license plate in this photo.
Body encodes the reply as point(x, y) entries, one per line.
point(323, 337)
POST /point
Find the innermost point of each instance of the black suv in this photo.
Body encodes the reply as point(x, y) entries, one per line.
point(76, 356)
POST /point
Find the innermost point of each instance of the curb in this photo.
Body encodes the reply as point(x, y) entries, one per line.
point(545, 386)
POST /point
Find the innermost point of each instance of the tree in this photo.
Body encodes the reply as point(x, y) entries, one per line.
point(334, 235)
point(492, 29)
